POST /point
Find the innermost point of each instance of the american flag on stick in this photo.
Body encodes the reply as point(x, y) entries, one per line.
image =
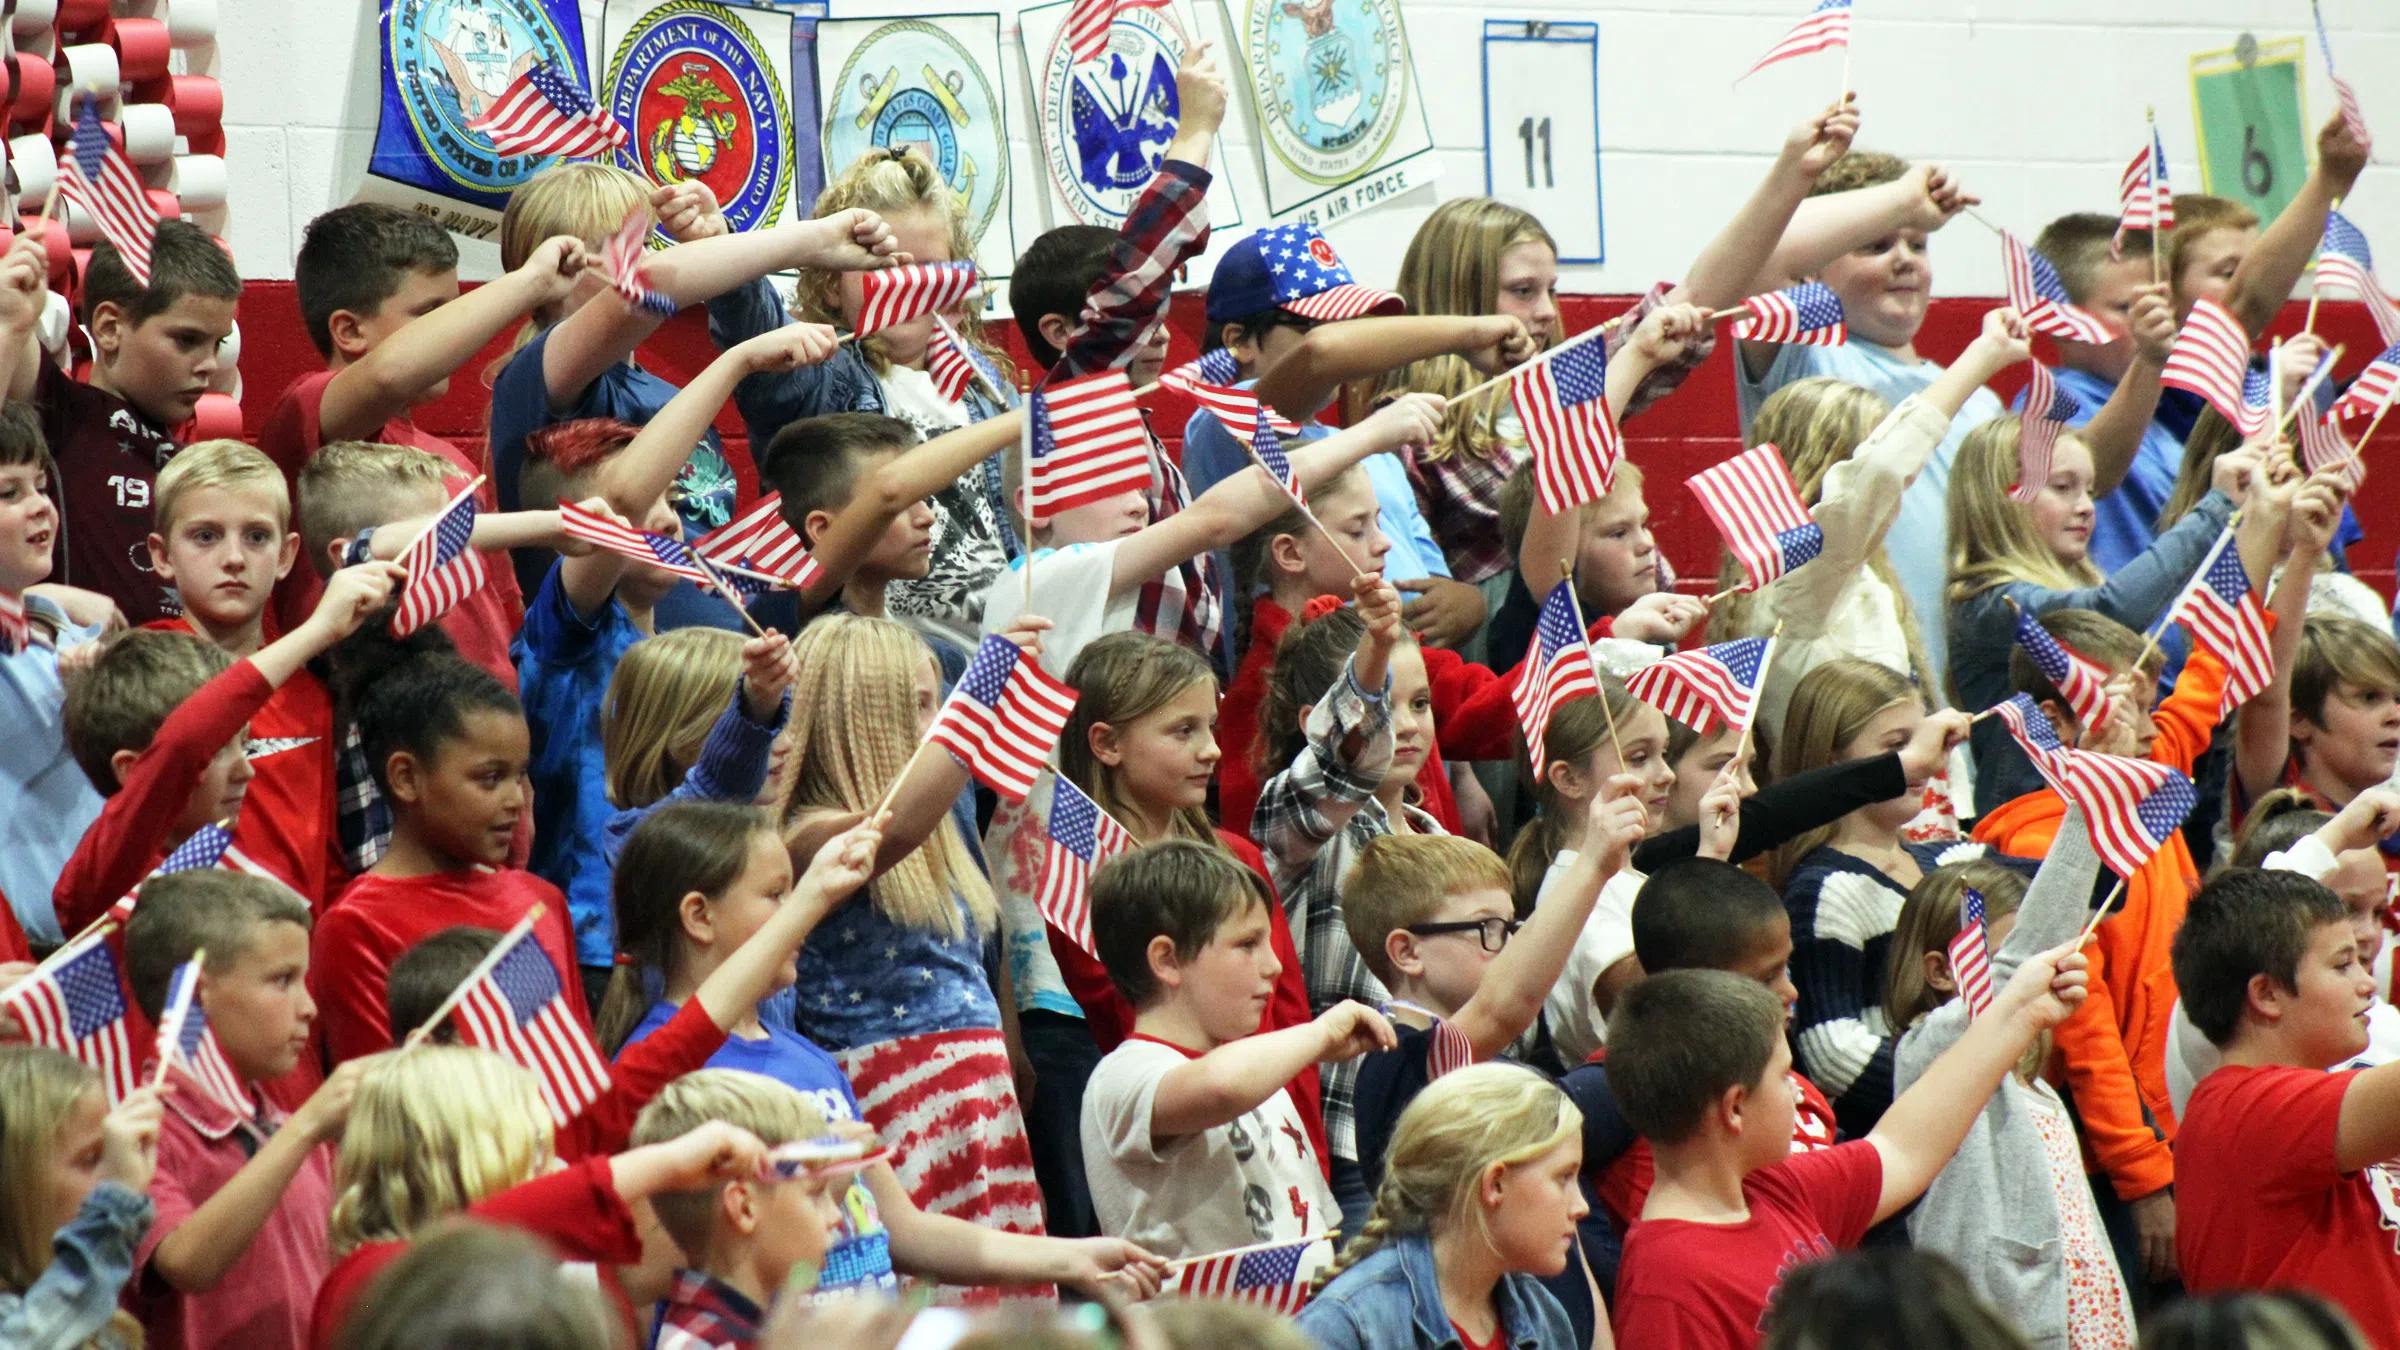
point(2039, 295)
point(760, 541)
point(621, 261)
point(2047, 410)
point(1240, 409)
point(2083, 685)
point(1823, 28)
point(1216, 366)
point(515, 1006)
point(208, 846)
point(1562, 404)
point(96, 176)
point(74, 1002)
point(2212, 359)
point(2352, 117)
point(1970, 955)
point(1809, 314)
point(1084, 442)
point(1081, 837)
point(897, 294)
point(2132, 804)
point(1558, 667)
point(1275, 1275)
point(2346, 260)
point(545, 111)
point(184, 1037)
point(656, 550)
point(1751, 501)
point(2323, 446)
point(2372, 391)
point(1701, 685)
point(954, 365)
point(443, 568)
point(2223, 613)
point(2145, 201)
point(1088, 21)
point(1004, 717)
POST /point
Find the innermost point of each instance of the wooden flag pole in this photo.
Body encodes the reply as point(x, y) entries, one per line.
point(897, 779)
point(1583, 631)
point(2092, 928)
point(1355, 569)
point(2158, 242)
point(1608, 326)
point(2314, 292)
point(500, 949)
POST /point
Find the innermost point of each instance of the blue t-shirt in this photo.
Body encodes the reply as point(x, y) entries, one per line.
point(703, 491)
point(860, 1260)
point(1211, 453)
point(564, 663)
point(865, 980)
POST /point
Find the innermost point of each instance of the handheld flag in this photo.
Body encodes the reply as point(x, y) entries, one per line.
point(621, 261)
point(1240, 409)
point(2372, 391)
point(1970, 955)
point(2083, 685)
point(96, 176)
point(1557, 667)
point(1216, 366)
point(1823, 28)
point(1276, 1276)
point(1751, 501)
point(2223, 613)
point(208, 846)
point(953, 364)
point(760, 541)
point(16, 632)
point(442, 567)
point(1698, 686)
point(1562, 403)
point(2212, 359)
point(1081, 837)
point(1086, 33)
point(514, 1006)
point(2352, 117)
point(2047, 410)
point(2144, 200)
point(2039, 295)
point(1809, 314)
point(2344, 259)
point(545, 111)
point(655, 550)
point(184, 1037)
point(2132, 804)
point(1084, 442)
point(1004, 717)
point(74, 1002)
point(897, 294)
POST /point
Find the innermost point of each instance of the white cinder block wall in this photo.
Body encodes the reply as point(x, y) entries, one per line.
point(2035, 103)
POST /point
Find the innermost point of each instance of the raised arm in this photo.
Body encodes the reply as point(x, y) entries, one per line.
point(1349, 744)
point(2262, 736)
point(2272, 267)
point(1331, 355)
point(639, 474)
point(24, 283)
point(1219, 1086)
point(2115, 432)
point(841, 540)
point(1730, 265)
point(1824, 228)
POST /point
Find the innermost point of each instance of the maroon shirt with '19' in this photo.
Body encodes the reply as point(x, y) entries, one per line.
point(108, 456)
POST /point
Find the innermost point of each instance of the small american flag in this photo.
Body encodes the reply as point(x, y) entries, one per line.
point(1809, 314)
point(1274, 1275)
point(2047, 410)
point(2222, 611)
point(1558, 667)
point(1240, 409)
point(1218, 367)
point(1751, 501)
point(2083, 685)
point(1088, 23)
point(2039, 295)
point(1084, 442)
point(621, 260)
point(515, 1007)
point(2145, 201)
point(16, 633)
point(1562, 403)
point(184, 1037)
point(2132, 804)
point(656, 550)
point(2344, 259)
point(2032, 730)
point(953, 364)
point(74, 1002)
point(97, 177)
point(546, 112)
point(208, 846)
point(1004, 717)
point(442, 568)
point(2342, 93)
point(1698, 686)
point(761, 541)
point(897, 294)
point(2323, 446)
point(2372, 391)
point(1971, 957)
point(1825, 27)
point(1082, 836)
point(2212, 359)
point(1448, 1049)
point(1269, 448)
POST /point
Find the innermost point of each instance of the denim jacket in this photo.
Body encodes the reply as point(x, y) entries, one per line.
point(91, 1258)
point(1393, 1301)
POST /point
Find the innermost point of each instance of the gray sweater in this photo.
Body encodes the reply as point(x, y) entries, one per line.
point(1993, 1209)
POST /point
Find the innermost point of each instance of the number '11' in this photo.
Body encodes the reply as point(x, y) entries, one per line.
point(1526, 131)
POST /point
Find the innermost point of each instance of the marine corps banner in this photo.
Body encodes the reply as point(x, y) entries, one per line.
point(704, 92)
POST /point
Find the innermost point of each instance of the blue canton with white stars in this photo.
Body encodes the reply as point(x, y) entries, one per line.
point(89, 983)
point(1819, 307)
point(1581, 374)
point(1289, 252)
point(564, 94)
point(526, 979)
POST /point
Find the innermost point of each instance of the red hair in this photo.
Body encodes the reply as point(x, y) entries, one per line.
point(574, 448)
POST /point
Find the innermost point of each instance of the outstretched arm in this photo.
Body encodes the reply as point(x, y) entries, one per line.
point(1732, 263)
point(1330, 356)
point(638, 475)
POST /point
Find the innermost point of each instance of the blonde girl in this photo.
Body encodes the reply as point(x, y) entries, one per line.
point(1844, 883)
point(1985, 1208)
point(1479, 1204)
point(698, 714)
point(76, 1176)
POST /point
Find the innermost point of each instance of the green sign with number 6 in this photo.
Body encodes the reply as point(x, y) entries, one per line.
point(2246, 106)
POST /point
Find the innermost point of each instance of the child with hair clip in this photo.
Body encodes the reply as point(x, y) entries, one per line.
point(1478, 1203)
point(77, 1175)
point(2016, 1186)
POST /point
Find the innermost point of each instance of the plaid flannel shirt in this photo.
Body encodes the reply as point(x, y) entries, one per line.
point(1167, 228)
point(1312, 821)
point(1460, 496)
point(701, 1312)
point(361, 815)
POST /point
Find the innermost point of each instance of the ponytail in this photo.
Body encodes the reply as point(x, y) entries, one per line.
point(1578, 729)
point(679, 848)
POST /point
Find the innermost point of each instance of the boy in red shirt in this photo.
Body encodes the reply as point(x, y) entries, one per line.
point(242, 1190)
point(154, 351)
point(1701, 1069)
point(2281, 1170)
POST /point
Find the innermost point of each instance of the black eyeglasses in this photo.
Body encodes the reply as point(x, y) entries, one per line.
point(1494, 933)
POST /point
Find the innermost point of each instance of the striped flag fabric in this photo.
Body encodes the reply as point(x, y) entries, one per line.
point(1274, 1275)
point(1558, 667)
point(545, 111)
point(1823, 28)
point(2345, 259)
point(1809, 314)
point(74, 1002)
point(2343, 94)
point(2145, 201)
point(16, 631)
point(1268, 446)
point(208, 846)
point(897, 294)
point(1447, 1049)
point(1240, 409)
point(1081, 837)
point(184, 1038)
point(953, 364)
point(1084, 442)
point(2323, 446)
point(655, 550)
point(2223, 612)
point(1217, 366)
point(2083, 685)
point(95, 175)
point(1004, 717)
point(2032, 729)
point(515, 1007)
point(1088, 21)
point(1706, 683)
point(2039, 295)
point(1562, 404)
point(2212, 359)
point(2372, 391)
point(2047, 410)
point(621, 261)
point(442, 567)
point(1971, 955)
point(1751, 501)
point(760, 541)
point(2132, 804)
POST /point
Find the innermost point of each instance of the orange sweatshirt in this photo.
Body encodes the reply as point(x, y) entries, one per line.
point(2115, 1045)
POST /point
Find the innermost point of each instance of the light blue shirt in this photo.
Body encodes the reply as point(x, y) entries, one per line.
point(1919, 540)
point(45, 801)
point(1210, 453)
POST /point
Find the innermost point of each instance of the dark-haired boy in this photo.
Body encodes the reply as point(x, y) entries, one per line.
point(154, 351)
point(1190, 1141)
point(2278, 1172)
point(1701, 1068)
point(240, 1245)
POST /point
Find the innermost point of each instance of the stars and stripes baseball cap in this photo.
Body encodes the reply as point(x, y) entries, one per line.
point(1291, 267)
